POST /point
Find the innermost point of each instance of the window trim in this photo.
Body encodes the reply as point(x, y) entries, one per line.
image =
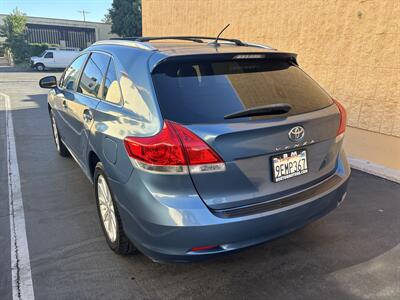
point(61, 83)
point(80, 75)
point(89, 54)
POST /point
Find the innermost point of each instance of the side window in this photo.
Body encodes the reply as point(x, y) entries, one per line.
point(49, 55)
point(70, 78)
point(111, 90)
point(93, 73)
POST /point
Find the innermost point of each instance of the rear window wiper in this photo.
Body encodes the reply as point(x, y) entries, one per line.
point(272, 109)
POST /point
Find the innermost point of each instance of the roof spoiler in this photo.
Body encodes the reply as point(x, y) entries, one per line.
point(286, 56)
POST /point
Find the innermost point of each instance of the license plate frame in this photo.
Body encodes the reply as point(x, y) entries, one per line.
point(297, 163)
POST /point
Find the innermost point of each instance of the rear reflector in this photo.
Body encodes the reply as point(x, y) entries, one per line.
point(343, 118)
point(202, 248)
point(174, 150)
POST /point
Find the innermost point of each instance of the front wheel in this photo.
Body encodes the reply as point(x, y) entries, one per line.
point(40, 67)
point(109, 215)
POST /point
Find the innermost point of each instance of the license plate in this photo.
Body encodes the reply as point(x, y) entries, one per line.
point(290, 164)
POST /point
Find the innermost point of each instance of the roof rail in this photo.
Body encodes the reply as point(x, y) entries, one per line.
point(125, 42)
point(259, 46)
point(197, 39)
point(138, 41)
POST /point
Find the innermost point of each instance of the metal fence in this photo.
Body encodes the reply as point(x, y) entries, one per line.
point(76, 37)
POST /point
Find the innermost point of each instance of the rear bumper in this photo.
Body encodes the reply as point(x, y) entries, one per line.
point(166, 232)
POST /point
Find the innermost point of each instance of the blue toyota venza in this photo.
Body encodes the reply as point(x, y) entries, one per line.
point(197, 147)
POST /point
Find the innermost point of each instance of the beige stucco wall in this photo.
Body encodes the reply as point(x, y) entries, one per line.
point(352, 48)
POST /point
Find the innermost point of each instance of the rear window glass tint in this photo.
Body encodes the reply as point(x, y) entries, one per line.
point(205, 92)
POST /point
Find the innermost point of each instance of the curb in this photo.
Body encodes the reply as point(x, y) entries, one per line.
point(375, 169)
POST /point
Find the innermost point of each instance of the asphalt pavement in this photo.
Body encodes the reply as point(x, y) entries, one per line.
point(353, 253)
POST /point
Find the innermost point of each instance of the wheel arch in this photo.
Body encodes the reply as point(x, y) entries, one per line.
point(93, 159)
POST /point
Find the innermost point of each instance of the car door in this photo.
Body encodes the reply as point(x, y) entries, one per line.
point(86, 98)
point(63, 59)
point(58, 58)
point(64, 95)
point(111, 123)
point(49, 59)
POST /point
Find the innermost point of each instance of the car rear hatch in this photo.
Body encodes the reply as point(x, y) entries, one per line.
point(266, 156)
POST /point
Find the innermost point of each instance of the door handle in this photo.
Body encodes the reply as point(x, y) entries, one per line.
point(87, 115)
point(64, 104)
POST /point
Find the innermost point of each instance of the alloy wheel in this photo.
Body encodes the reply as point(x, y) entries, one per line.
point(55, 132)
point(106, 206)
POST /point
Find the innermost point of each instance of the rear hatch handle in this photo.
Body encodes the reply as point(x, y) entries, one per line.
point(271, 109)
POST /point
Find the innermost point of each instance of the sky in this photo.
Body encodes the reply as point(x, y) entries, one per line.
point(60, 9)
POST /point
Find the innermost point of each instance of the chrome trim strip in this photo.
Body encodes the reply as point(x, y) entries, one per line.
point(178, 170)
point(164, 170)
point(207, 168)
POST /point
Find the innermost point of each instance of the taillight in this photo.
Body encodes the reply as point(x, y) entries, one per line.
point(174, 150)
point(343, 120)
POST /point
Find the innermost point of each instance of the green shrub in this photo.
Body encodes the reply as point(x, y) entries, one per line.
point(20, 50)
point(35, 49)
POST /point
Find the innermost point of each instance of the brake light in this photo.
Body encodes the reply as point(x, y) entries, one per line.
point(174, 150)
point(343, 119)
point(198, 152)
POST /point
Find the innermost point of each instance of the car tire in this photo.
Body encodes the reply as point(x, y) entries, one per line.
point(110, 219)
point(39, 67)
point(61, 148)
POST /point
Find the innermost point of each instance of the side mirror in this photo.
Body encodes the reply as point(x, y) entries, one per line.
point(48, 82)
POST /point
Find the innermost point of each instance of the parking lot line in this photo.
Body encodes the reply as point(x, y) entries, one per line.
point(22, 287)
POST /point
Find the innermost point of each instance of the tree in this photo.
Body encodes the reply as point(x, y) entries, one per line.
point(13, 29)
point(14, 25)
point(126, 17)
point(106, 19)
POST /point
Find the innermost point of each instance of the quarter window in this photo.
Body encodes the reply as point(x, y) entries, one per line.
point(70, 78)
point(111, 90)
point(93, 73)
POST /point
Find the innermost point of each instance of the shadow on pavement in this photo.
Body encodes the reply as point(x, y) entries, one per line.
point(70, 257)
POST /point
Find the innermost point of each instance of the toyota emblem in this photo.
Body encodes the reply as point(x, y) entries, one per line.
point(296, 134)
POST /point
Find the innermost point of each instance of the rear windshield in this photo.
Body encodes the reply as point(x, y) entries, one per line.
point(205, 92)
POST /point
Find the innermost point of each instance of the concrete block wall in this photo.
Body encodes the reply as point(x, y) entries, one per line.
point(351, 47)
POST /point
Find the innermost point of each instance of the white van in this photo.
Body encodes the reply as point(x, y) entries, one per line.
point(54, 59)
